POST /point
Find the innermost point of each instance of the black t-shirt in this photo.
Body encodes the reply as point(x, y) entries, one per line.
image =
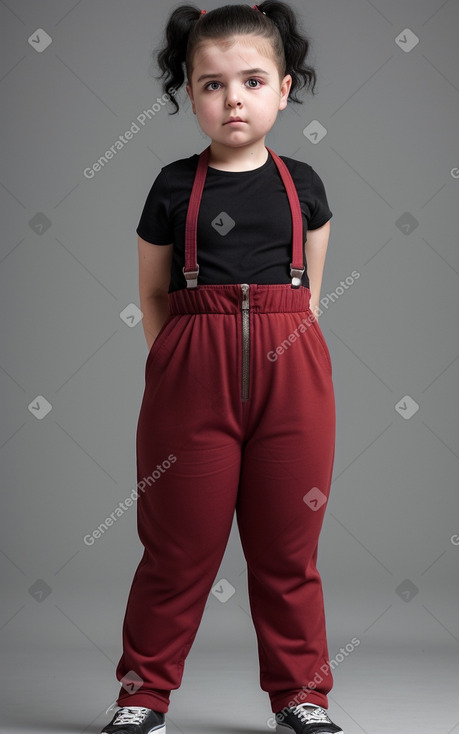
point(244, 229)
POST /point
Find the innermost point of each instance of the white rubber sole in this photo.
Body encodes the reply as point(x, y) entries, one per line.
point(286, 729)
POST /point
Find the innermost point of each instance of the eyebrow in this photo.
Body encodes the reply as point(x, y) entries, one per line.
point(241, 73)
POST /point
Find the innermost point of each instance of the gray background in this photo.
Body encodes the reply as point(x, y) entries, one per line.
point(389, 547)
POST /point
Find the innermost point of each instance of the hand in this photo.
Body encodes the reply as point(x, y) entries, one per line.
point(315, 309)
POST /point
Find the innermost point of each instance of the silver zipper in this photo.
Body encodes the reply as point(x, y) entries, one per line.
point(245, 309)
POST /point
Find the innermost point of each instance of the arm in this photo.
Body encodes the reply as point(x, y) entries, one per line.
point(154, 278)
point(316, 249)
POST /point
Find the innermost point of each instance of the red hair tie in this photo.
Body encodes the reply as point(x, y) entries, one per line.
point(203, 11)
point(255, 7)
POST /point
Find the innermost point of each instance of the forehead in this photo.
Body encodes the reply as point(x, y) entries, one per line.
point(240, 51)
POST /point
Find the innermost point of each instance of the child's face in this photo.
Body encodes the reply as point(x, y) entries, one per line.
point(255, 97)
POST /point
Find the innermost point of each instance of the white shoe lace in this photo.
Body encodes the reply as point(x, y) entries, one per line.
point(131, 715)
point(317, 715)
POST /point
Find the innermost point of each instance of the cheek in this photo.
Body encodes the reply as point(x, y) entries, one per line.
point(204, 105)
point(210, 110)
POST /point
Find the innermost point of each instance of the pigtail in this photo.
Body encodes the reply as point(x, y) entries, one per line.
point(296, 46)
point(171, 56)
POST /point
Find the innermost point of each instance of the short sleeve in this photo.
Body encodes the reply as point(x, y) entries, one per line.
point(321, 212)
point(155, 225)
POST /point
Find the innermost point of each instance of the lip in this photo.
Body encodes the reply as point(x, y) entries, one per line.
point(232, 120)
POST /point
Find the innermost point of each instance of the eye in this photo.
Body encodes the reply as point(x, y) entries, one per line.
point(208, 85)
point(251, 86)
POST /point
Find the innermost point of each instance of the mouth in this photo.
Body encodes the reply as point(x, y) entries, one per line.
point(233, 120)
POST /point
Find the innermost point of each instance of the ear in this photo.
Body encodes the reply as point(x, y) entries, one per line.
point(190, 94)
point(285, 91)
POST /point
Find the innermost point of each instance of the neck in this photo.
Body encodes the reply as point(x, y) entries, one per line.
point(243, 158)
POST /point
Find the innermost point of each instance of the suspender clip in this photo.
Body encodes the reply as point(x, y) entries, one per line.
point(191, 277)
point(296, 275)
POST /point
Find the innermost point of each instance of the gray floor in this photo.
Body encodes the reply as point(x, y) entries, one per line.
point(59, 653)
point(383, 686)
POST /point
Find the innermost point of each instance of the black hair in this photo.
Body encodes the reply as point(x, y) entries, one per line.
point(276, 21)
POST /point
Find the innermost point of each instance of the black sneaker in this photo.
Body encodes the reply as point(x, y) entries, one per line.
point(136, 720)
point(304, 719)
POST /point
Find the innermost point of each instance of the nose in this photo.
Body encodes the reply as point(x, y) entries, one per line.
point(234, 94)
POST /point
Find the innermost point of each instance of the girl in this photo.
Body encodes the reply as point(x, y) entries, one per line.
point(238, 411)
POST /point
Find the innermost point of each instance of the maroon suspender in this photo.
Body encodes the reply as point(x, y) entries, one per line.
point(191, 269)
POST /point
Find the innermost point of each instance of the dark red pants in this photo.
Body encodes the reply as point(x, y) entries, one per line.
point(236, 416)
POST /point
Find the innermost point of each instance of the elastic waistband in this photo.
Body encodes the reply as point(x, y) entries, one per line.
point(227, 298)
